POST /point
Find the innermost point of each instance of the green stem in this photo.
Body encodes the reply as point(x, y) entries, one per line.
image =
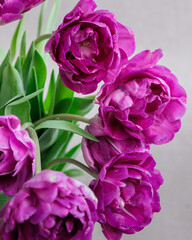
point(63, 117)
point(27, 125)
point(34, 137)
point(74, 162)
point(41, 38)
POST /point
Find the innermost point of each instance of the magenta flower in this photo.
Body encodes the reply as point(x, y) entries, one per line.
point(17, 155)
point(127, 194)
point(87, 45)
point(97, 154)
point(11, 10)
point(145, 100)
point(50, 206)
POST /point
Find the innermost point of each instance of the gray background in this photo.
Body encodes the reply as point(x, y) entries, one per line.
point(164, 24)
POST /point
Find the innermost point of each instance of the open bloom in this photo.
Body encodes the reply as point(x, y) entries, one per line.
point(87, 45)
point(96, 154)
point(50, 206)
point(17, 155)
point(11, 10)
point(127, 193)
point(145, 100)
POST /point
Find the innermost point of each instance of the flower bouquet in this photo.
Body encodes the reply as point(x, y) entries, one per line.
point(139, 103)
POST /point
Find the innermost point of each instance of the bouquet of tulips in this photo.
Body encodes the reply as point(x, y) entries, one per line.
point(139, 103)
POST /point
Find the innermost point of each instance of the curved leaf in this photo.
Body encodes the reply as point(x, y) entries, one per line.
point(50, 98)
point(22, 111)
point(11, 85)
point(5, 62)
point(67, 126)
point(74, 172)
point(16, 38)
point(81, 106)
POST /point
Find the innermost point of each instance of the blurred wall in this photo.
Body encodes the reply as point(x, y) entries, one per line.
point(164, 24)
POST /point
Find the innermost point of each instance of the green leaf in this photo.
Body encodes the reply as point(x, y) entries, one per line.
point(36, 101)
point(48, 138)
point(63, 97)
point(26, 98)
point(41, 16)
point(62, 92)
point(74, 172)
point(63, 106)
point(12, 99)
point(50, 98)
point(81, 106)
point(2, 54)
point(11, 85)
point(41, 74)
point(27, 66)
point(3, 199)
point(23, 46)
point(18, 66)
point(40, 69)
point(16, 38)
point(50, 24)
point(70, 154)
point(6, 60)
point(52, 16)
point(34, 80)
point(61, 166)
point(67, 126)
point(22, 111)
point(73, 152)
point(55, 150)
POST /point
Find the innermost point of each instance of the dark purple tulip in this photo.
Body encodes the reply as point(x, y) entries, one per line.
point(17, 155)
point(11, 10)
point(97, 154)
point(126, 189)
point(87, 45)
point(50, 206)
point(145, 100)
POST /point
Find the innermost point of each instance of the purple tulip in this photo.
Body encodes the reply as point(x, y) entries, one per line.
point(17, 155)
point(50, 206)
point(87, 45)
point(145, 100)
point(11, 10)
point(97, 154)
point(127, 193)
